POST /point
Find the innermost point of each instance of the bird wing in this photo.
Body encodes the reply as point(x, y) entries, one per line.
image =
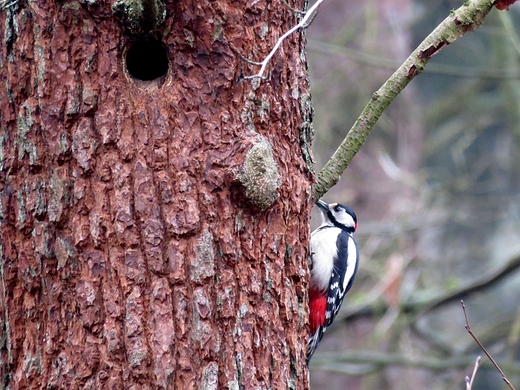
point(341, 282)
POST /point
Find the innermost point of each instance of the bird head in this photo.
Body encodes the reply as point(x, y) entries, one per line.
point(338, 215)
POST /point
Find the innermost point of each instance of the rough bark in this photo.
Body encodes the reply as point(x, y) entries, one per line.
point(153, 233)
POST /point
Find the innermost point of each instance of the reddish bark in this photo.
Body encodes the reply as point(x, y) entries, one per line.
point(149, 237)
point(504, 4)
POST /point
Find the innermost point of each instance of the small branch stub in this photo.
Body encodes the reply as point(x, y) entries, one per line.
point(259, 175)
point(504, 4)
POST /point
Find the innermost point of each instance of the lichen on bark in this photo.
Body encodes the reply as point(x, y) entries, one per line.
point(140, 16)
point(203, 264)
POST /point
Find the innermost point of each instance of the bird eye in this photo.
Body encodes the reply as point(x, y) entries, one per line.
point(337, 208)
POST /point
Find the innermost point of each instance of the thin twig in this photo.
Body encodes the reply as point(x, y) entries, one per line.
point(302, 24)
point(468, 328)
point(469, 381)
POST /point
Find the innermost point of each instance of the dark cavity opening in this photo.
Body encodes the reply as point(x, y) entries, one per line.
point(147, 60)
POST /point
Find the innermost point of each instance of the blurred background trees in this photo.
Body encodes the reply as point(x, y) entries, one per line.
point(436, 190)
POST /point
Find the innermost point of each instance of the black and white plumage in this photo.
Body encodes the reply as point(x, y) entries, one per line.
point(334, 263)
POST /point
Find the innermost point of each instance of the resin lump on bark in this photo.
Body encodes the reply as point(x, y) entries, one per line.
point(259, 175)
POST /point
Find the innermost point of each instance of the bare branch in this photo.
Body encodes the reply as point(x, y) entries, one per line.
point(468, 328)
point(385, 359)
point(376, 61)
point(469, 381)
point(363, 361)
point(436, 299)
point(302, 24)
point(468, 17)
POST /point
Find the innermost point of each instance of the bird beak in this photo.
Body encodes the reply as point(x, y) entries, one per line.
point(322, 205)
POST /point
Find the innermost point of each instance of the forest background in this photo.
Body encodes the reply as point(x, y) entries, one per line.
point(435, 189)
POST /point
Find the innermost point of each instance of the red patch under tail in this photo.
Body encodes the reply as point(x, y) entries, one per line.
point(317, 307)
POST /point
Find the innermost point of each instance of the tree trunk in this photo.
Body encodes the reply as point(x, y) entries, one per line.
point(154, 207)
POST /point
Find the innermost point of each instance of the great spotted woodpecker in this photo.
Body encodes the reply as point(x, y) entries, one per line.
point(334, 263)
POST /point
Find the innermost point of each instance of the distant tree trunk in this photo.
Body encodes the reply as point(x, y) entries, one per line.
point(154, 209)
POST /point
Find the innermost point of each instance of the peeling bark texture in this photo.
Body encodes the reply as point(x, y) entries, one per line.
point(153, 208)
